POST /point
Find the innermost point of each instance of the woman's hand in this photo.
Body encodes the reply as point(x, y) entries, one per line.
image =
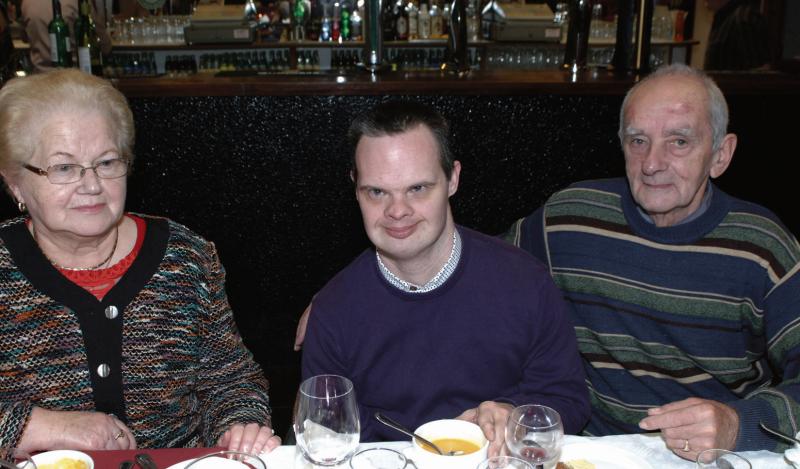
point(50, 429)
point(251, 438)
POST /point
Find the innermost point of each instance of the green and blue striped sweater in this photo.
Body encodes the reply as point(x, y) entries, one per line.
point(709, 308)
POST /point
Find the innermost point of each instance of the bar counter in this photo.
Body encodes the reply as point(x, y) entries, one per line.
point(597, 82)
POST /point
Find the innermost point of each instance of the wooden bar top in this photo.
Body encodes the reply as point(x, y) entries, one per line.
point(497, 82)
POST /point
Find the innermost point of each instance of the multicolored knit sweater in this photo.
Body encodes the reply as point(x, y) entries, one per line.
point(709, 308)
point(179, 374)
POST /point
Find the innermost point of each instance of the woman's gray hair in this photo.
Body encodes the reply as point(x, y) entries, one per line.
point(717, 106)
point(27, 103)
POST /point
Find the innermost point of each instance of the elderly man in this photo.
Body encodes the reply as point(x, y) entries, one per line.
point(437, 321)
point(685, 299)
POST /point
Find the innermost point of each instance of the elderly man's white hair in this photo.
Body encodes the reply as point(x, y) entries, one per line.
point(717, 106)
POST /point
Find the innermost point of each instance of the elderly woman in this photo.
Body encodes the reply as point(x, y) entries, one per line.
point(115, 331)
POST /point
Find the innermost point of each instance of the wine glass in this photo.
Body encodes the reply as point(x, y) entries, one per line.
point(714, 458)
point(14, 458)
point(534, 433)
point(504, 462)
point(326, 421)
point(379, 458)
point(218, 460)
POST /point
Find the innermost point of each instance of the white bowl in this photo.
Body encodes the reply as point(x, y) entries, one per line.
point(448, 428)
point(51, 457)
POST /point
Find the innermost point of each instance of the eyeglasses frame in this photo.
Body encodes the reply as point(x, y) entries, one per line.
point(45, 172)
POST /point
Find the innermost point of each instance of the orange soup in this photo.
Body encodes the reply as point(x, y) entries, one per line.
point(457, 445)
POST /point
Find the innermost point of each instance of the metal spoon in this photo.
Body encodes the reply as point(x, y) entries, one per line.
point(145, 461)
point(392, 424)
point(779, 433)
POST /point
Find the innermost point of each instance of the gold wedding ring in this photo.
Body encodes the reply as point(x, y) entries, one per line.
point(686, 448)
point(119, 435)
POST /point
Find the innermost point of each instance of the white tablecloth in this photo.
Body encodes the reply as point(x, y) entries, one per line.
point(649, 447)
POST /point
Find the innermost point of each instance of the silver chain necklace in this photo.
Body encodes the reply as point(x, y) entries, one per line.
point(80, 269)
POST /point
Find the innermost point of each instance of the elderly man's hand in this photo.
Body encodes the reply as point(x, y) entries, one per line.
point(491, 417)
point(251, 438)
point(693, 425)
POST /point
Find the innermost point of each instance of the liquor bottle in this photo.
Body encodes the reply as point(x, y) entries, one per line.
point(325, 32)
point(561, 19)
point(436, 21)
point(313, 26)
point(424, 22)
point(335, 22)
point(60, 51)
point(299, 20)
point(446, 17)
point(473, 22)
point(387, 20)
point(413, 20)
point(90, 59)
point(356, 25)
point(344, 22)
point(401, 21)
point(580, 16)
point(325, 29)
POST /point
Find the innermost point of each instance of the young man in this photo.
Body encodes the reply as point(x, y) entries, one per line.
point(437, 321)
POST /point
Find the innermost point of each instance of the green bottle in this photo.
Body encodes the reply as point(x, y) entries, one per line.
point(60, 51)
point(344, 22)
point(90, 59)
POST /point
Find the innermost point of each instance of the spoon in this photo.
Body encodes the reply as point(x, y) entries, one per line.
point(779, 433)
point(145, 461)
point(392, 424)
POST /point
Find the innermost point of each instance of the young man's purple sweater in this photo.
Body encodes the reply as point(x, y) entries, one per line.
point(497, 329)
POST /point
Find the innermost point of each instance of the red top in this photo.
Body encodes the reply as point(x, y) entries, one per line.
point(99, 282)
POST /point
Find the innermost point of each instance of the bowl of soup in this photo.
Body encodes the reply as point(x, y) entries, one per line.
point(463, 443)
point(63, 459)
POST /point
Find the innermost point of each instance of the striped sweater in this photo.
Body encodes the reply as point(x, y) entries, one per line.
point(179, 373)
point(709, 308)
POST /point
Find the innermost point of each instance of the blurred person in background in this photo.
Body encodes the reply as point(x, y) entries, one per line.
point(6, 45)
point(738, 39)
point(115, 329)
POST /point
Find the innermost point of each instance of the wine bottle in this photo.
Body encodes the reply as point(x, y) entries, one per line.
point(90, 59)
point(60, 51)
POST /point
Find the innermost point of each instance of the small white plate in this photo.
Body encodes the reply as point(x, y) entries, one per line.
point(211, 463)
point(603, 456)
point(51, 457)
